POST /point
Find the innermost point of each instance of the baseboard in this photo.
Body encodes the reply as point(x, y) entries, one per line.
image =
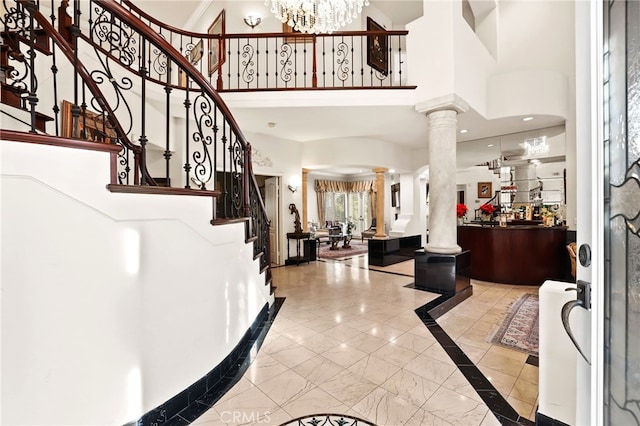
point(193, 401)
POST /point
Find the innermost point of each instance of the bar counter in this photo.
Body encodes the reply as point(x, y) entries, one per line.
point(525, 255)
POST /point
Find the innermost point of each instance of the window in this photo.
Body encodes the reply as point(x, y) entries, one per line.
point(335, 204)
point(340, 206)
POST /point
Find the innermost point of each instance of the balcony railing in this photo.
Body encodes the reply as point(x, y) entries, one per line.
point(289, 61)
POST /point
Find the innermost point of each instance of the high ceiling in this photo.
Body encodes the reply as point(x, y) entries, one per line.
point(399, 124)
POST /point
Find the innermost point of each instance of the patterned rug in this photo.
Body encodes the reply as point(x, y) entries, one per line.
point(519, 328)
point(357, 248)
point(328, 420)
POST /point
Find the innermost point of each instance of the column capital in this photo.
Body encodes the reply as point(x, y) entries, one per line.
point(380, 170)
point(305, 171)
point(447, 102)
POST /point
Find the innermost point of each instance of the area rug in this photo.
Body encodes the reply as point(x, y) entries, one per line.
point(519, 328)
point(357, 249)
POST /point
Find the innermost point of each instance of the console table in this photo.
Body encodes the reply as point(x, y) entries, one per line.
point(393, 250)
point(297, 237)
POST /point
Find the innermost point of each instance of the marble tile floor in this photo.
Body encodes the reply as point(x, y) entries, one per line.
point(347, 340)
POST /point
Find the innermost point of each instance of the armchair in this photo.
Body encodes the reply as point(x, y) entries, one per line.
point(369, 233)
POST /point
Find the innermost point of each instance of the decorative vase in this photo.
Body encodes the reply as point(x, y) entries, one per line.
point(460, 221)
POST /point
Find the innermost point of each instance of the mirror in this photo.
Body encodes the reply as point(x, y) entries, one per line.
point(527, 167)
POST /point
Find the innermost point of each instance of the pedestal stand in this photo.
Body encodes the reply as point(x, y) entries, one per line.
point(297, 237)
point(447, 274)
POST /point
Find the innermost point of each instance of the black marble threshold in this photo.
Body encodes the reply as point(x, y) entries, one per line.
point(194, 401)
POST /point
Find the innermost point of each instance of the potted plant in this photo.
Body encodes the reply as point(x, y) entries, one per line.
point(351, 226)
point(487, 211)
point(461, 211)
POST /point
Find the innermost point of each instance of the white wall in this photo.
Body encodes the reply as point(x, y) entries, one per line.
point(101, 288)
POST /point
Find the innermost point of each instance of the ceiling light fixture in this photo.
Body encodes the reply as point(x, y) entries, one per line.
point(252, 20)
point(490, 145)
point(316, 16)
point(292, 188)
point(463, 131)
point(527, 118)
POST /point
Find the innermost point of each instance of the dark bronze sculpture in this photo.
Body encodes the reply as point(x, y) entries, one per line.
point(296, 222)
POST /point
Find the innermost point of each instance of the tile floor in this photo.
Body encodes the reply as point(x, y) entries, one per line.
point(347, 340)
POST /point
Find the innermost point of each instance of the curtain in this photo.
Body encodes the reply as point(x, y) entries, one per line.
point(320, 198)
point(322, 186)
point(373, 200)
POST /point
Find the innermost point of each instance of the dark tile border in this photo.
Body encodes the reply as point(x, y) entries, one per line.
point(498, 405)
point(192, 402)
point(543, 420)
point(533, 360)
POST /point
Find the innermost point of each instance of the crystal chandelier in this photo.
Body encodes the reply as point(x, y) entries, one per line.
point(316, 16)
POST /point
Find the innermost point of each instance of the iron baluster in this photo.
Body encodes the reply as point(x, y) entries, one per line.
point(314, 66)
point(187, 105)
point(75, 33)
point(248, 73)
point(143, 101)
point(32, 98)
point(304, 65)
point(167, 151)
point(54, 71)
point(224, 170)
point(257, 44)
point(362, 61)
point(238, 56)
point(295, 62)
point(266, 61)
point(400, 64)
point(324, 62)
point(353, 64)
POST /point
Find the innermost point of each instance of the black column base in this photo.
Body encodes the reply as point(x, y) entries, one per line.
point(446, 274)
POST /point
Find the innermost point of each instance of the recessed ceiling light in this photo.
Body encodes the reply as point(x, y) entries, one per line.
point(490, 145)
point(392, 170)
point(527, 118)
point(271, 124)
point(463, 131)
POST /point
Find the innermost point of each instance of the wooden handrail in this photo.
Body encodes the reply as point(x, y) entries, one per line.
point(135, 23)
point(183, 32)
point(15, 136)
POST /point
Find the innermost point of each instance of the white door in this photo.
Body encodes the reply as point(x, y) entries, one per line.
point(272, 204)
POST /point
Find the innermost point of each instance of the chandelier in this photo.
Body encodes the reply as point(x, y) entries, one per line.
point(316, 16)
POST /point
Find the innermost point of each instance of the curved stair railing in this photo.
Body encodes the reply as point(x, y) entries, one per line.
point(120, 82)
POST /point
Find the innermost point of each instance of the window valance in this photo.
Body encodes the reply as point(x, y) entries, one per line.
point(340, 186)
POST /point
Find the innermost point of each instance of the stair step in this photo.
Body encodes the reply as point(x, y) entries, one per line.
point(12, 38)
point(12, 96)
point(162, 181)
point(228, 221)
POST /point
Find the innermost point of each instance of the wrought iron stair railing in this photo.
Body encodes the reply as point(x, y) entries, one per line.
point(116, 82)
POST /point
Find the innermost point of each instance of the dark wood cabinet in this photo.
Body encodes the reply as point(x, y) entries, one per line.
point(526, 255)
point(393, 250)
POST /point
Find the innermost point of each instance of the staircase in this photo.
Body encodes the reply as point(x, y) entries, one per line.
point(130, 88)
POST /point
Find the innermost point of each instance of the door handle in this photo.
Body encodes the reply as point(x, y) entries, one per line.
point(583, 300)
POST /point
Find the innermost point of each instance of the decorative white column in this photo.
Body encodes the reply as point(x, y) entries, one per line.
point(380, 206)
point(442, 181)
